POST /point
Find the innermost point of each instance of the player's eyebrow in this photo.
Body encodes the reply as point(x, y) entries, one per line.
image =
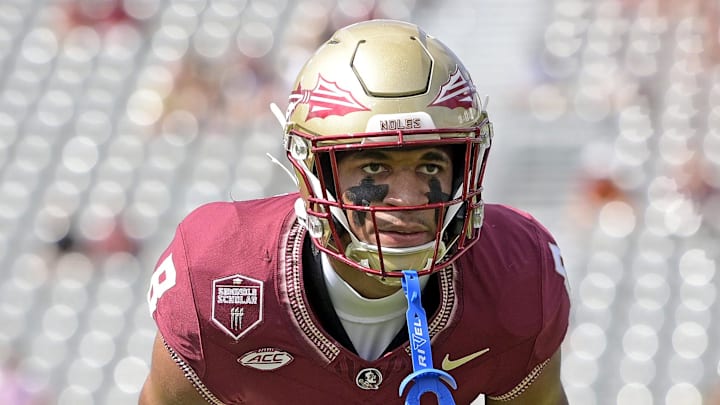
point(379, 155)
point(366, 154)
point(435, 155)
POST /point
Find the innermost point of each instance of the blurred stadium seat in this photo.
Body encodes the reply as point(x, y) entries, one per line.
point(117, 117)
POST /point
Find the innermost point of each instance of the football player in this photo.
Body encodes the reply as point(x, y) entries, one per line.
point(298, 299)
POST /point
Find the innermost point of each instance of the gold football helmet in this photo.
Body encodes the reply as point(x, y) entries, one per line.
point(386, 84)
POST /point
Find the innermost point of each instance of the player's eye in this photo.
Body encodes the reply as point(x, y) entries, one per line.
point(430, 169)
point(373, 168)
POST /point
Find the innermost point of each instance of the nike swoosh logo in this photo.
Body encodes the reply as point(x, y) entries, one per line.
point(448, 364)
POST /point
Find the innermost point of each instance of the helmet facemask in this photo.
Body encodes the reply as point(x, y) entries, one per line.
point(328, 217)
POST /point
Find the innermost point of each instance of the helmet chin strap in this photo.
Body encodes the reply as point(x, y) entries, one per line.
point(415, 258)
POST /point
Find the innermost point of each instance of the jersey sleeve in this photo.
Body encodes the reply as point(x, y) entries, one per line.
point(172, 305)
point(555, 297)
point(554, 312)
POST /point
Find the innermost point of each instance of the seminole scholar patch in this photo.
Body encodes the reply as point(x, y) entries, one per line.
point(237, 304)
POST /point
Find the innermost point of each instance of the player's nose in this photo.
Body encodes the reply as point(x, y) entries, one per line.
point(406, 188)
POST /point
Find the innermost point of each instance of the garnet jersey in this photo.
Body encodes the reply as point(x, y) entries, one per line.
point(228, 297)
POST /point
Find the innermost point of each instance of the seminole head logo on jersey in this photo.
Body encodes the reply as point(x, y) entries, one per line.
point(369, 379)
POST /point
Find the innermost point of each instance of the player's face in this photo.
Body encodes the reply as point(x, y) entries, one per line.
point(395, 178)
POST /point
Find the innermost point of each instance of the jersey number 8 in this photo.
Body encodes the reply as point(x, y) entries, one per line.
point(162, 280)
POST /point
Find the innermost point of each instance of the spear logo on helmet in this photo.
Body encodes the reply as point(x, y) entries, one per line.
point(324, 100)
point(457, 91)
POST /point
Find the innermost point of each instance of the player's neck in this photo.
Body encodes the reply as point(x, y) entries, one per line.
point(366, 286)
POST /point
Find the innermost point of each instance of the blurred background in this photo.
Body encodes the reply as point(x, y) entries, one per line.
point(117, 117)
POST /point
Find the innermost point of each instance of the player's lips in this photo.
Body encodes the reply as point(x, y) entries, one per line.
point(395, 238)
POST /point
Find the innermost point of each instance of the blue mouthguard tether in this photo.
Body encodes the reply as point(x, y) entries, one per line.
point(425, 377)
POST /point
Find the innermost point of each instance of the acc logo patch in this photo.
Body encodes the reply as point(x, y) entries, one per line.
point(237, 304)
point(369, 379)
point(266, 359)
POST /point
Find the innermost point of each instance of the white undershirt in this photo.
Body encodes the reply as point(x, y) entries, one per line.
point(371, 324)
